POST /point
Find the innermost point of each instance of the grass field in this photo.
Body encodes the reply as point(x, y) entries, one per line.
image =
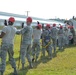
point(64, 63)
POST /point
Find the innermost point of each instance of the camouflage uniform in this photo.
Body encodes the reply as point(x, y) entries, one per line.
point(25, 50)
point(36, 43)
point(66, 36)
point(61, 39)
point(54, 32)
point(36, 49)
point(7, 48)
point(46, 38)
point(73, 32)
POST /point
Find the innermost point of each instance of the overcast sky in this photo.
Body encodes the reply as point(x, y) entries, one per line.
point(64, 9)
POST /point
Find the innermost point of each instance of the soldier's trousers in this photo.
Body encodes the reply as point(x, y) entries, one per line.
point(36, 48)
point(54, 44)
point(7, 48)
point(66, 40)
point(25, 52)
point(48, 49)
point(75, 39)
point(61, 42)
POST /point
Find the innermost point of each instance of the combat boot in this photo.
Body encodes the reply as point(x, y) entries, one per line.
point(54, 51)
point(36, 59)
point(23, 66)
point(2, 73)
point(15, 72)
point(30, 65)
point(50, 57)
point(33, 59)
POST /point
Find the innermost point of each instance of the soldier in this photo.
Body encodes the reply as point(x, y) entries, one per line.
point(25, 50)
point(54, 32)
point(73, 33)
point(47, 41)
point(36, 42)
point(61, 38)
point(66, 36)
point(7, 35)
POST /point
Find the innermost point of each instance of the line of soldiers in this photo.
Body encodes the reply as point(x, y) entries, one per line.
point(52, 37)
point(47, 33)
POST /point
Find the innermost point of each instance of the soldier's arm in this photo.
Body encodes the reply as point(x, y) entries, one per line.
point(18, 32)
point(21, 31)
point(24, 30)
point(73, 32)
point(2, 34)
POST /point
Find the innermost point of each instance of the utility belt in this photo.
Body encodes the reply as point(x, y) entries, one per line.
point(46, 39)
point(47, 42)
point(46, 45)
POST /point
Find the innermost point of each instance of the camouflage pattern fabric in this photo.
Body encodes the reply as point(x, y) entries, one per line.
point(7, 48)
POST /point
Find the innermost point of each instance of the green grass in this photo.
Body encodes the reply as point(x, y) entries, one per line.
point(64, 63)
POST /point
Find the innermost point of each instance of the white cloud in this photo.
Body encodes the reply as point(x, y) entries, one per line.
point(40, 8)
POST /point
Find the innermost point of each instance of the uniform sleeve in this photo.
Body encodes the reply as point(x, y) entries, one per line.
point(21, 31)
point(15, 29)
point(43, 34)
point(4, 29)
point(18, 31)
point(24, 30)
